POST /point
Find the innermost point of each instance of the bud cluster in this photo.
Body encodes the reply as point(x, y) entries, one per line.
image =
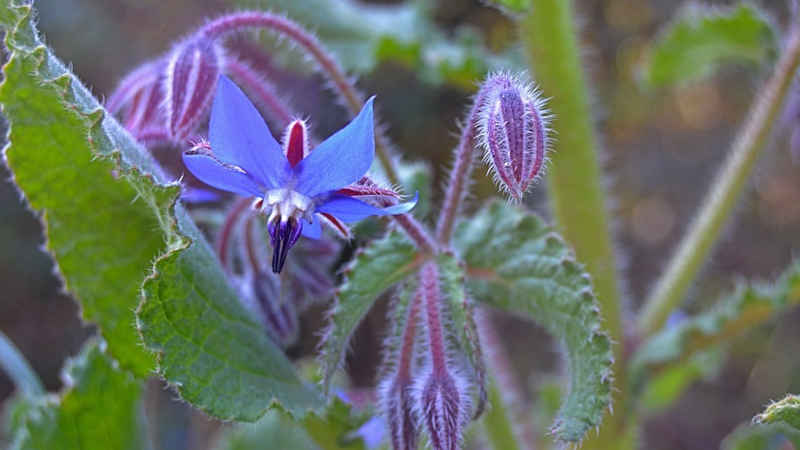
point(432, 396)
point(513, 124)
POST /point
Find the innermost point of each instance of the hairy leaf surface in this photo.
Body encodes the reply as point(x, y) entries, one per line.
point(110, 212)
point(518, 264)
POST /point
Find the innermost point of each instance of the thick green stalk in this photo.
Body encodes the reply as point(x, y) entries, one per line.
point(671, 288)
point(577, 191)
point(497, 422)
point(18, 369)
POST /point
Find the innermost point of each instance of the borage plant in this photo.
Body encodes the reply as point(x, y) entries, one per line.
point(130, 229)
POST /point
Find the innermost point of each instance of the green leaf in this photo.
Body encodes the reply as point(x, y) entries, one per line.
point(786, 410)
point(109, 215)
point(749, 305)
point(668, 385)
point(97, 410)
point(332, 431)
point(497, 421)
point(761, 437)
point(363, 35)
point(101, 239)
point(518, 264)
point(701, 39)
point(375, 269)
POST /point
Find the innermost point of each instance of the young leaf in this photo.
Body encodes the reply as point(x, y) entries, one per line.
point(375, 269)
point(106, 224)
point(701, 39)
point(98, 409)
point(518, 264)
point(786, 411)
point(748, 306)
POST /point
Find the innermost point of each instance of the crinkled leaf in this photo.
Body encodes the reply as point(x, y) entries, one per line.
point(106, 224)
point(786, 410)
point(518, 264)
point(101, 234)
point(751, 304)
point(761, 437)
point(97, 410)
point(375, 269)
point(701, 39)
point(335, 427)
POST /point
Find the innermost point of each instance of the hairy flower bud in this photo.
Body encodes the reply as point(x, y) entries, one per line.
point(398, 407)
point(513, 126)
point(139, 96)
point(444, 410)
point(191, 78)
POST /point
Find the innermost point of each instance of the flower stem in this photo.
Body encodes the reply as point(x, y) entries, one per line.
point(417, 232)
point(429, 286)
point(353, 100)
point(457, 187)
point(18, 369)
point(671, 288)
point(577, 192)
point(226, 232)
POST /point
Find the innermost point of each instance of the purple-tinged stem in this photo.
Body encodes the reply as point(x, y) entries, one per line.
point(417, 232)
point(462, 168)
point(500, 367)
point(250, 244)
point(431, 296)
point(262, 89)
point(407, 346)
point(226, 232)
point(297, 34)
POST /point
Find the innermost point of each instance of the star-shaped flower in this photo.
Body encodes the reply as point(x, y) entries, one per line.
point(298, 188)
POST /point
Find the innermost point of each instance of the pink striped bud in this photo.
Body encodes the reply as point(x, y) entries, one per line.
point(191, 78)
point(513, 126)
point(445, 409)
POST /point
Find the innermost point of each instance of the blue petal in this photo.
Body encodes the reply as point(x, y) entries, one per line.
point(312, 230)
point(240, 137)
point(348, 209)
point(213, 173)
point(198, 195)
point(341, 159)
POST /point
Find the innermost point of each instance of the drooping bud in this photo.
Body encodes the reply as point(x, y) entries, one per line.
point(138, 97)
point(191, 78)
point(443, 400)
point(396, 390)
point(513, 126)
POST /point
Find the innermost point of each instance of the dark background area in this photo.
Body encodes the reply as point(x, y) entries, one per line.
point(661, 150)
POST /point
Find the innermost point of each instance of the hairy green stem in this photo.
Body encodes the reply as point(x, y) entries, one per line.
point(671, 288)
point(577, 191)
point(18, 369)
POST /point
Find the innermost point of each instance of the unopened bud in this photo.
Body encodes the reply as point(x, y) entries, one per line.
point(138, 98)
point(398, 407)
point(444, 410)
point(513, 133)
point(191, 78)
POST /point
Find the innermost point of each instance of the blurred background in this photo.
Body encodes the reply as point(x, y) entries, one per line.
point(661, 148)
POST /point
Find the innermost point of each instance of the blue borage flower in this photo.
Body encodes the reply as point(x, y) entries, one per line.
point(298, 188)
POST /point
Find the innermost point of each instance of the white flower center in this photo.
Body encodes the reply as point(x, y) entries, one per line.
point(286, 203)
